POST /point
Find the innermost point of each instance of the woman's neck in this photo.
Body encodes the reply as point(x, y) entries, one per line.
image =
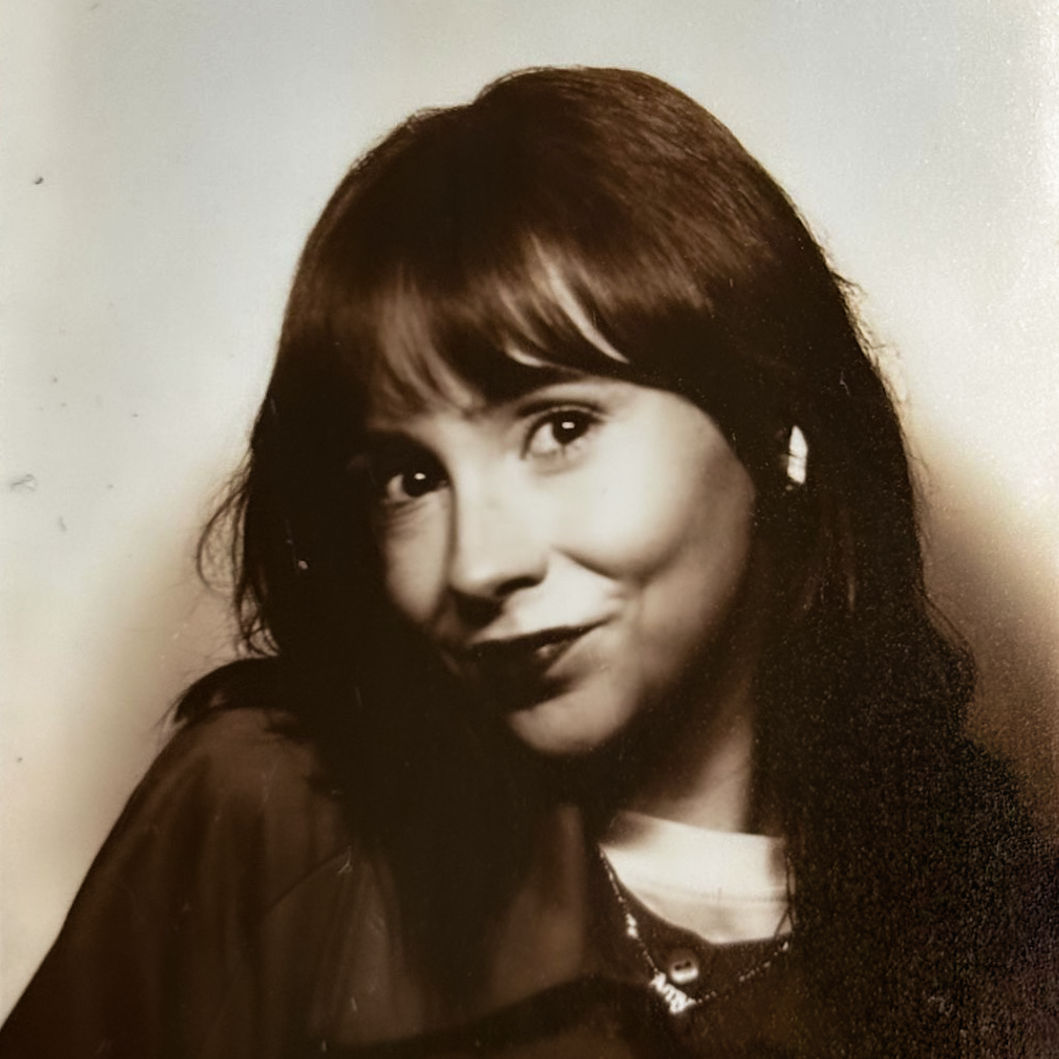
point(705, 776)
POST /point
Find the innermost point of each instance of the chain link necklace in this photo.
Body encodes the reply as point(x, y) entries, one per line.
point(673, 996)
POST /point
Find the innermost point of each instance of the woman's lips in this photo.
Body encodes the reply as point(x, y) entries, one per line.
point(520, 669)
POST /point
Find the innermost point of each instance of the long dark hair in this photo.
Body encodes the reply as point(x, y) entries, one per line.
point(560, 217)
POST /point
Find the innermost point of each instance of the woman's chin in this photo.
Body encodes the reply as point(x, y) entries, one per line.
point(566, 725)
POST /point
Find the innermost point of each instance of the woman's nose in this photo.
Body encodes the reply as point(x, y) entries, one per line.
point(496, 546)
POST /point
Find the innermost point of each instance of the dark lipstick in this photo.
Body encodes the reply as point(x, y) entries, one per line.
point(517, 669)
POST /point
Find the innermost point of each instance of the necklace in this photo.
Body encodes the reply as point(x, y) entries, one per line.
point(674, 997)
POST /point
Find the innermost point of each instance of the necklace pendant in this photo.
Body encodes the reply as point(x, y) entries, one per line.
point(676, 999)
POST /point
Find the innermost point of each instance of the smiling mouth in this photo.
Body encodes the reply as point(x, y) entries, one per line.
point(546, 644)
point(519, 667)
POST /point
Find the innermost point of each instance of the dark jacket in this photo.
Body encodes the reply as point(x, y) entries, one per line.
point(231, 915)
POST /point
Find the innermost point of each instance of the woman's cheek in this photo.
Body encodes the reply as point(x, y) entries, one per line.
point(414, 564)
point(623, 518)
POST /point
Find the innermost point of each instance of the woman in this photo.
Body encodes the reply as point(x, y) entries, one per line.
point(592, 703)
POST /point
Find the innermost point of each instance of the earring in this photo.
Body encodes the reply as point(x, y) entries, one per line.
point(797, 458)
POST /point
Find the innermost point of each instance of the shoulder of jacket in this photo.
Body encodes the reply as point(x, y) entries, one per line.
point(237, 798)
point(238, 751)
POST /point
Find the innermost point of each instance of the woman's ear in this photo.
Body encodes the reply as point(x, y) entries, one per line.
point(797, 458)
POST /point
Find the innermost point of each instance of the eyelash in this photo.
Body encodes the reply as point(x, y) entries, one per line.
point(429, 476)
point(425, 472)
point(582, 420)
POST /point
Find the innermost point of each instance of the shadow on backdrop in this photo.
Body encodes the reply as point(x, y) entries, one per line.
point(992, 572)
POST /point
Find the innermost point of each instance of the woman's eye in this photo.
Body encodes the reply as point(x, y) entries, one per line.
point(405, 485)
point(559, 430)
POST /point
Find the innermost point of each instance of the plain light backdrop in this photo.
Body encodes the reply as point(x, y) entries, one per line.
point(160, 166)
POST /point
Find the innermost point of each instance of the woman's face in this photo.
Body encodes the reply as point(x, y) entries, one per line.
point(573, 553)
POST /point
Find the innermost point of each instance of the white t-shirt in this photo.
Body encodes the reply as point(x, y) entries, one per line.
point(723, 886)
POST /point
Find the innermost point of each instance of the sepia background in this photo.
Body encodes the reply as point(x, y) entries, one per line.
point(160, 165)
